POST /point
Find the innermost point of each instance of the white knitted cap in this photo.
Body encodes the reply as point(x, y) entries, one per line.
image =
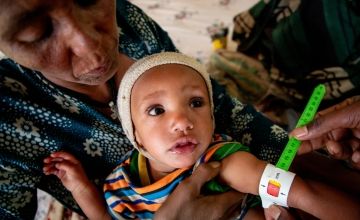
point(140, 67)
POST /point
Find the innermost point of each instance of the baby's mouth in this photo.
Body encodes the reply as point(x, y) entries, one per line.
point(184, 145)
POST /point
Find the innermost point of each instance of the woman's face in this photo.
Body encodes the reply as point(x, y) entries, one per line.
point(69, 41)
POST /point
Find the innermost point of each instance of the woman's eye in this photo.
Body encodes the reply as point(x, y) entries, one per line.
point(196, 102)
point(35, 33)
point(155, 111)
point(85, 3)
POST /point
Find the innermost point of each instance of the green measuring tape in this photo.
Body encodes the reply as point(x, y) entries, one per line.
point(307, 116)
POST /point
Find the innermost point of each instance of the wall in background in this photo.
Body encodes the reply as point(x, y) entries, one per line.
point(190, 22)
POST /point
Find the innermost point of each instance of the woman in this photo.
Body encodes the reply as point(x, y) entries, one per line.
point(66, 60)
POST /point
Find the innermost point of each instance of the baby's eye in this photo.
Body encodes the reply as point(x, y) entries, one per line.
point(156, 110)
point(196, 102)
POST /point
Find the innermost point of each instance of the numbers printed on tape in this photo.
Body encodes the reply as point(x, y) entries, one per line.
point(307, 116)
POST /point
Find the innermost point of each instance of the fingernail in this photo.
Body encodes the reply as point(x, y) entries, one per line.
point(277, 217)
point(214, 164)
point(300, 132)
point(333, 150)
point(276, 212)
point(355, 158)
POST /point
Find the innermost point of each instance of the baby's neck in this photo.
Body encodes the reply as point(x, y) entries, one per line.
point(156, 173)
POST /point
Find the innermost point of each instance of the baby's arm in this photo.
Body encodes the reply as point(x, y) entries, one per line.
point(242, 171)
point(69, 170)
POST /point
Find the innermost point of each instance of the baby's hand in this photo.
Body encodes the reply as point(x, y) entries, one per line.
point(68, 169)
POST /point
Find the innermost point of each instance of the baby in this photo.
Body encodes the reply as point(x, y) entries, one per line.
point(171, 125)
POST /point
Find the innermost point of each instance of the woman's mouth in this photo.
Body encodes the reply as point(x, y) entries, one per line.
point(96, 72)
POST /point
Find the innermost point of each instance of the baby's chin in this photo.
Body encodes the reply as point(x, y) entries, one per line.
point(185, 163)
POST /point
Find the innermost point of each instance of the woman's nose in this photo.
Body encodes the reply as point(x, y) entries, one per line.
point(84, 41)
point(84, 45)
point(80, 33)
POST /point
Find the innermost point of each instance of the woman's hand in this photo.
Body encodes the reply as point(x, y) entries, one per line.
point(336, 128)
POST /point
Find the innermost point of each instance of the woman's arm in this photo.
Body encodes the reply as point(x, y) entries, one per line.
point(242, 171)
point(69, 170)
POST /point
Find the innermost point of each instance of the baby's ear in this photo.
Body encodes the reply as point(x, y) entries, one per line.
point(137, 138)
point(138, 141)
point(213, 123)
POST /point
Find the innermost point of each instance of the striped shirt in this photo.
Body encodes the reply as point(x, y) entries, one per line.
point(130, 194)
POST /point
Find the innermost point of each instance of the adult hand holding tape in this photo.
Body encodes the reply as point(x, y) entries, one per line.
point(336, 128)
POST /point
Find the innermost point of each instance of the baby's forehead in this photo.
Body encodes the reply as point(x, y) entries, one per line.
point(169, 69)
point(173, 66)
point(173, 74)
point(164, 72)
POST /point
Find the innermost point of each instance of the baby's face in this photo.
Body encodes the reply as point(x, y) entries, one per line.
point(171, 112)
